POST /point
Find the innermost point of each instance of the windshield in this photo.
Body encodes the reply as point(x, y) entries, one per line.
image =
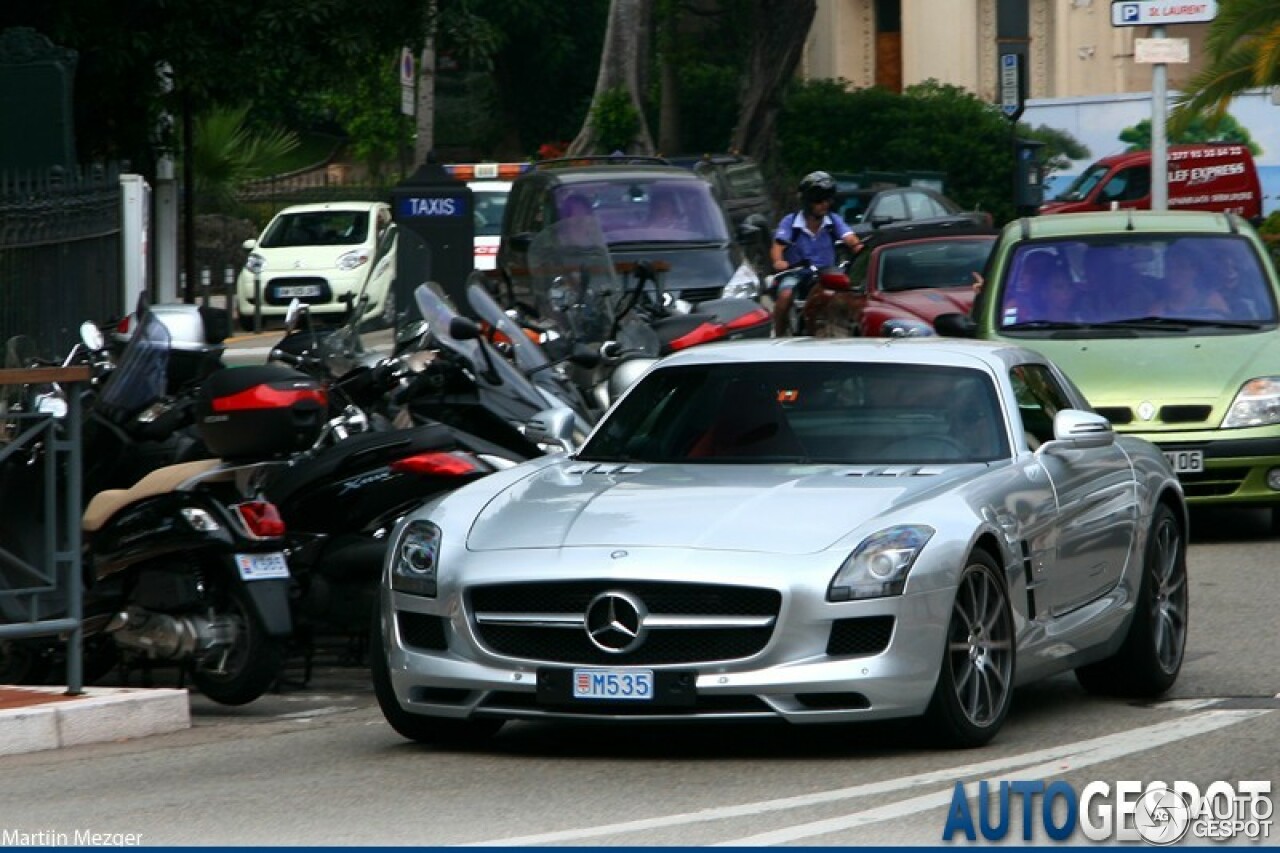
point(1083, 185)
point(317, 228)
point(935, 263)
point(528, 355)
point(652, 210)
point(1168, 283)
point(578, 292)
point(829, 412)
point(140, 375)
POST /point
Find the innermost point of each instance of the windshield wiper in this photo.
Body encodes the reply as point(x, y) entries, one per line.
point(1174, 324)
point(1032, 325)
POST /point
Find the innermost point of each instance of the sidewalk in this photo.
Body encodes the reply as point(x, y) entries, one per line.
point(39, 718)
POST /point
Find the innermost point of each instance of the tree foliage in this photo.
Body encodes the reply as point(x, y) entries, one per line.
point(1194, 129)
point(826, 125)
point(1243, 52)
point(227, 152)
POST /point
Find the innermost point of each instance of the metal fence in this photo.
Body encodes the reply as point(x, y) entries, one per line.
point(60, 246)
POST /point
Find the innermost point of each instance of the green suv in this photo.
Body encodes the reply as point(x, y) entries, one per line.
point(1168, 324)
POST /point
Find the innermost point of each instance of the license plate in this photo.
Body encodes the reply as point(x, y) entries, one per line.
point(1185, 461)
point(298, 290)
point(260, 567)
point(613, 684)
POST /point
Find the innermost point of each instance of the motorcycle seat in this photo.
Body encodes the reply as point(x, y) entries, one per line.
point(160, 481)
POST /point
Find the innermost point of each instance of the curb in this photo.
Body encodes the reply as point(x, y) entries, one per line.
point(47, 718)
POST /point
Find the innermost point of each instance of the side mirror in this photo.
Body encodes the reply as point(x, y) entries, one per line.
point(249, 245)
point(955, 325)
point(881, 221)
point(552, 426)
point(92, 336)
point(1074, 429)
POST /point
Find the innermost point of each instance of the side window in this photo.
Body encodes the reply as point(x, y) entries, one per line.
point(892, 205)
point(1039, 397)
point(919, 205)
point(521, 208)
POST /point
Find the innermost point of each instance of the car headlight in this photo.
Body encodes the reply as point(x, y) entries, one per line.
point(743, 283)
point(879, 566)
point(256, 263)
point(898, 328)
point(414, 560)
point(1257, 403)
point(353, 260)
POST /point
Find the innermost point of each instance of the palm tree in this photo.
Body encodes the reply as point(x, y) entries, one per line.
point(1243, 47)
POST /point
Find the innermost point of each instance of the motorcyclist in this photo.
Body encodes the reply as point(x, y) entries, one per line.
point(809, 235)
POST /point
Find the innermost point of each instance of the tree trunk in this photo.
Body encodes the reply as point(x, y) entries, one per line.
point(668, 80)
point(624, 62)
point(780, 28)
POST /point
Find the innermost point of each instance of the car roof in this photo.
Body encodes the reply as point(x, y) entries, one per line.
point(331, 205)
point(575, 170)
point(1124, 221)
point(929, 229)
point(995, 356)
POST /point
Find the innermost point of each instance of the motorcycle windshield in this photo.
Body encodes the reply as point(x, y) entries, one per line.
point(528, 355)
point(140, 376)
point(438, 314)
point(577, 290)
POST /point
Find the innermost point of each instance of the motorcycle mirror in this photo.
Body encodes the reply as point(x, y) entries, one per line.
point(92, 336)
point(463, 329)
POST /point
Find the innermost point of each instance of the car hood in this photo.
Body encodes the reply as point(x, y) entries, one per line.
point(772, 509)
point(928, 303)
point(304, 257)
point(1185, 370)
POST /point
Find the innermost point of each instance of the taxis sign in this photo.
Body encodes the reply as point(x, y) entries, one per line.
point(1145, 13)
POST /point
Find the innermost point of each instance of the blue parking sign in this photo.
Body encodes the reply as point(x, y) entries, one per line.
point(1130, 12)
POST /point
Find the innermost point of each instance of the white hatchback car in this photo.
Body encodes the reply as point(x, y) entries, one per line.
point(324, 255)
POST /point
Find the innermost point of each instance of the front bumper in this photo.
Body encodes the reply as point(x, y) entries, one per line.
point(441, 666)
point(1235, 469)
point(325, 293)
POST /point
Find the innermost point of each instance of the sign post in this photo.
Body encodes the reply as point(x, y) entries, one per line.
point(1145, 13)
point(408, 82)
point(1011, 86)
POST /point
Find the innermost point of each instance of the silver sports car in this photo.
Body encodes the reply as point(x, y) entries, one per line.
point(805, 530)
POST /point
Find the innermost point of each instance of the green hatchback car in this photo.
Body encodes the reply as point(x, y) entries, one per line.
point(1166, 321)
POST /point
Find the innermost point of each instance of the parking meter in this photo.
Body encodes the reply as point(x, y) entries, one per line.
point(434, 213)
point(1028, 182)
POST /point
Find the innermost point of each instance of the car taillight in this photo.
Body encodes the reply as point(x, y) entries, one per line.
point(261, 519)
point(703, 334)
point(456, 464)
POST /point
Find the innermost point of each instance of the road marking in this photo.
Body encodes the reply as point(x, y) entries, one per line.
point(1051, 761)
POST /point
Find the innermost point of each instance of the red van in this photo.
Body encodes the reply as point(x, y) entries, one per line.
point(1215, 177)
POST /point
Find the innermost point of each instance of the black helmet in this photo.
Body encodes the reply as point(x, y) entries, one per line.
point(817, 186)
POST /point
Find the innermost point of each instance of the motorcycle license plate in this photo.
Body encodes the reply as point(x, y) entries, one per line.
point(260, 567)
point(298, 290)
point(1185, 461)
point(613, 684)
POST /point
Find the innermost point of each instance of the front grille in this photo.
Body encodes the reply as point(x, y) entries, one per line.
point(687, 615)
point(865, 635)
point(1214, 482)
point(700, 294)
point(1115, 414)
point(422, 631)
point(1185, 414)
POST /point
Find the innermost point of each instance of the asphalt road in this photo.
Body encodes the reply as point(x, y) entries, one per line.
point(315, 764)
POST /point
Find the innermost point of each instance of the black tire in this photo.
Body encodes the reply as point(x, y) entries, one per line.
point(416, 727)
point(250, 666)
point(975, 681)
point(1148, 662)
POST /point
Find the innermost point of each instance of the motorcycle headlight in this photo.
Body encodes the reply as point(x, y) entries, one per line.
point(879, 566)
point(352, 260)
point(1257, 403)
point(897, 328)
point(256, 263)
point(743, 283)
point(414, 560)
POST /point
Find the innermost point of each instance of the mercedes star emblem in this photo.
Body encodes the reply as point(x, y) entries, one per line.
point(615, 622)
